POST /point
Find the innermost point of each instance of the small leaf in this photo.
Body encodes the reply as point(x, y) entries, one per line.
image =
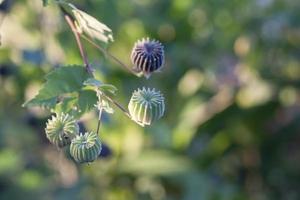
point(101, 86)
point(91, 26)
point(79, 103)
point(86, 100)
point(62, 80)
point(103, 104)
point(106, 107)
point(92, 82)
point(66, 105)
point(46, 103)
point(108, 88)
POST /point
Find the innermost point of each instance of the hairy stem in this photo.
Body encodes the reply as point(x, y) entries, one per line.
point(70, 22)
point(124, 110)
point(107, 53)
point(99, 120)
point(80, 46)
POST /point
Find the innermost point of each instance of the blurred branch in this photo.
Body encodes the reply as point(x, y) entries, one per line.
point(218, 103)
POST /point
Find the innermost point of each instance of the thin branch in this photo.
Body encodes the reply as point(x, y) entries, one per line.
point(80, 46)
point(124, 110)
point(99, 120)
point(107, 53)
point(70, 22)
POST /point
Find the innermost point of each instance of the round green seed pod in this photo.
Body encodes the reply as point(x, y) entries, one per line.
point(86, 147)
point(61, 129)
point(146, 106)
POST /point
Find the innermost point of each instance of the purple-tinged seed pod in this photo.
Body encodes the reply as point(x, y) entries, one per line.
point(147, 56)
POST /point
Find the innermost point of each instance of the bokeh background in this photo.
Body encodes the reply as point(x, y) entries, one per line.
point(231, 82)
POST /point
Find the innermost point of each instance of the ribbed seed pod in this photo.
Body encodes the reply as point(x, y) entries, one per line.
point(61, 129)
point(147, 56)
point(85, 147)
point(146, 106)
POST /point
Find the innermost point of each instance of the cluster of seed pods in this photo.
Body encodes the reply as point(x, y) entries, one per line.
point(145, 106)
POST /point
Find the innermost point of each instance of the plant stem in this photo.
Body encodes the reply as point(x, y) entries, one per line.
point(107, 53)
point(117, 105)
point(70, 22)
point(80, 46)
point(99, 120)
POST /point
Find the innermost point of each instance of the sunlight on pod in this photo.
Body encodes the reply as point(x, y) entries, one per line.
point(146, 106)
point(85, 148)
point(61, 129)
point(147, 56)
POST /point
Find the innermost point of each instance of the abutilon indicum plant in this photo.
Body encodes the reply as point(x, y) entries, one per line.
point(72, 90)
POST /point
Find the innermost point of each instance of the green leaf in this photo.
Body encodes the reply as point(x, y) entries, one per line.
point(46, 103)
point(101, 86)
point(91, 26)
point(78, 104)
point(67, 105)
point(93, 82)
point(86, 100)
point(62, 80)
point(108, 88)
point(106, 106)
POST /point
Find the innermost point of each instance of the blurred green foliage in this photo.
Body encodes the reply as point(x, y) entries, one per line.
point(231, 82)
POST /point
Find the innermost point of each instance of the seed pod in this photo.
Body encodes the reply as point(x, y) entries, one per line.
point(61, 129)
point(147, 56)
point(146, 106)
point(85, 147)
